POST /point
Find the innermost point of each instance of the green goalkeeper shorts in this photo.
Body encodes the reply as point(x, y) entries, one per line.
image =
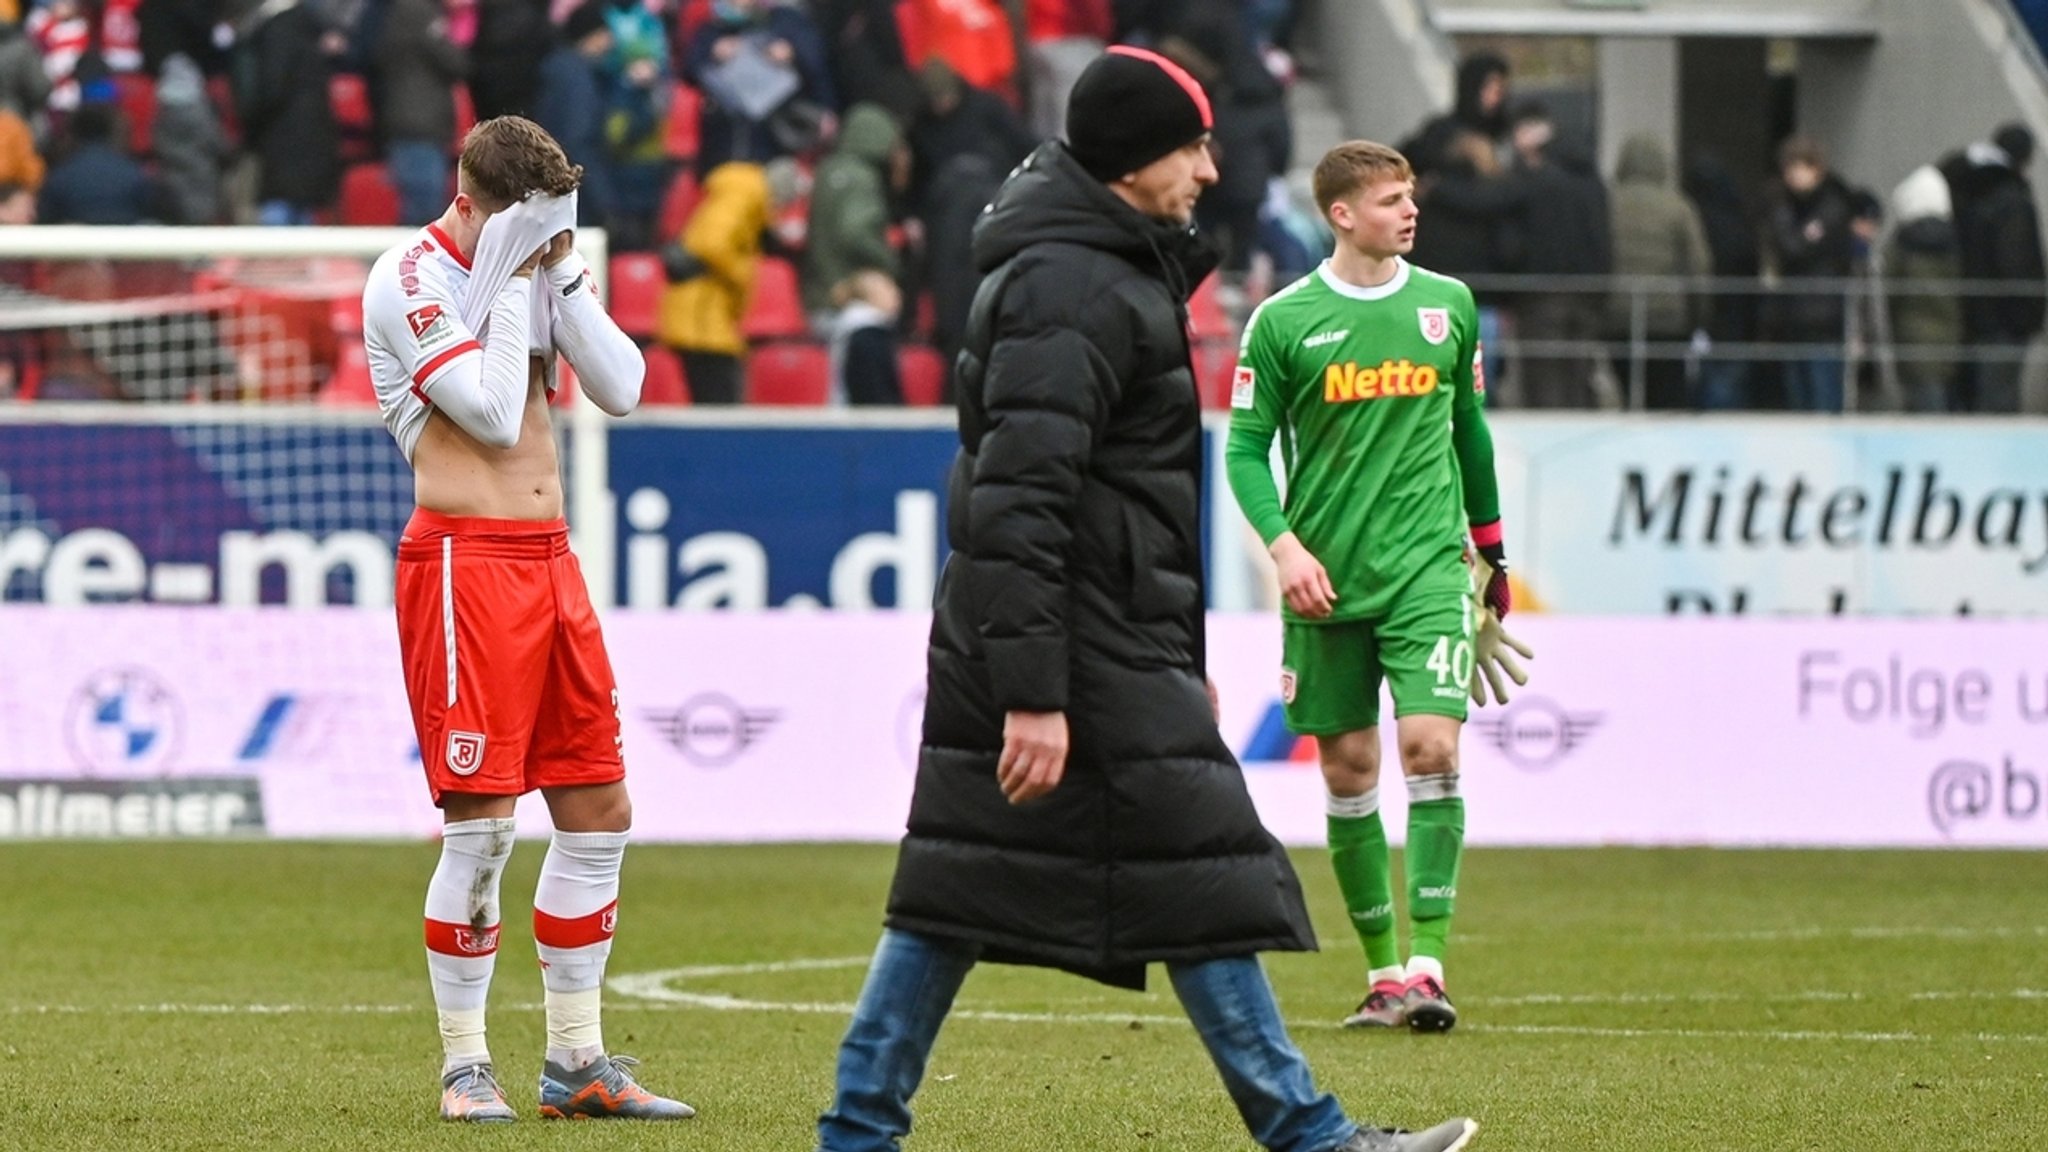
point(1330, 673)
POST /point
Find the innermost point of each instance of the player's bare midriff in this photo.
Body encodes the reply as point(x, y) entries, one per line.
point(455, 475)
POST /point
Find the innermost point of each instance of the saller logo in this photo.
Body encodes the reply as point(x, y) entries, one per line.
point(1436, 324)
point(1343, 383)
point(465, 752)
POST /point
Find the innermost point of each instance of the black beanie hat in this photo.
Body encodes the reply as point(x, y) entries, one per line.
point(1129, 108)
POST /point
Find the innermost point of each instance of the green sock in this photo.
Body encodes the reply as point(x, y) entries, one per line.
point(1436, 840)
point(1358, 853)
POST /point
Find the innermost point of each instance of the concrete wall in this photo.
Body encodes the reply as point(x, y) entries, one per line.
point(1660, 17)
point(1386, 68)
point(1941, 74)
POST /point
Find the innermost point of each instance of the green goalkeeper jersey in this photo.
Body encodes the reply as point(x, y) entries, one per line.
point(1376, 395)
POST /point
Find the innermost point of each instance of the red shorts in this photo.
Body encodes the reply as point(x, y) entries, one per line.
point(510, 685)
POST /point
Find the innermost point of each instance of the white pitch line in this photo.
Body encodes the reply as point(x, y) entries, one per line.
point(1815, 996)
point(658, 988)
point(1772, 936)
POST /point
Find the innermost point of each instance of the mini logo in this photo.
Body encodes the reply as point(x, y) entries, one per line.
point(1322, 338)
point(712, 730)
point(125, 720)
point(1436, 324)
point(1241, 384)
point(465, 752)
point(477, 941)
point(1534, 733)
point(609, 922)
point(1287, 685)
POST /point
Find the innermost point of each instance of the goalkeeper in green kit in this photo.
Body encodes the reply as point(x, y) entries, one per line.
point(1369, 371)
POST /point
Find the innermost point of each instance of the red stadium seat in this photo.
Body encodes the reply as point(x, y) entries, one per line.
point(923, 374)
point(465, 117)
point(1215, 363)
point(776, 311)
point(676, 206)
point(348, 96)
point(136, 94)
point(368, 198)
point(789, 374)
point(665, 383)
point(685, 110)
point(350, 386)
point(1205, 312)
point(636, 284)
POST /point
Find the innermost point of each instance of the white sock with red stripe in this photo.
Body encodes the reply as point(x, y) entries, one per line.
point(462, 933)
point(574, 911)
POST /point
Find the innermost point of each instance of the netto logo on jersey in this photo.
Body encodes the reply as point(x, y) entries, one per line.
point(712, 730)
point(1534, 733)
point(1346, 382)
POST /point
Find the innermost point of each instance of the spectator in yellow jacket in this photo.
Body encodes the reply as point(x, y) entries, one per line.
point(19, 162)
point(711, 279)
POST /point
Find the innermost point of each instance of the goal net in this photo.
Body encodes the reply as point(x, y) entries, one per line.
point(186, 415)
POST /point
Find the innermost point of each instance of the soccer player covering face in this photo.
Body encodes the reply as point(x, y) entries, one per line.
point(1369, 371)
point(510, 685)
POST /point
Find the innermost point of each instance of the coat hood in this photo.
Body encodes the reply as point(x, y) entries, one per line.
point(1050, 198)
point(1643, 161)
point(181, 82)
point(1473, 73)
point(742, 185)
point(1922, 195)
point(869, 134)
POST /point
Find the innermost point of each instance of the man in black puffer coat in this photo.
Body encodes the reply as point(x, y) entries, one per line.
point(1075, 805)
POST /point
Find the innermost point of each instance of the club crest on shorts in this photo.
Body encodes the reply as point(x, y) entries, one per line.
point(1435, 322)
point(465, 752)
point(1287, 685)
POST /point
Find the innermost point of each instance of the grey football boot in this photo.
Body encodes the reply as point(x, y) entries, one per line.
point(1449, 1136)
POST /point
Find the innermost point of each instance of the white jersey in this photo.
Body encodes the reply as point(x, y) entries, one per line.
point(412, 328)
point(422, 354)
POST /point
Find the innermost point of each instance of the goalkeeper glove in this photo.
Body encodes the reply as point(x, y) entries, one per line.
point(1486, 539)
point(1493, 649)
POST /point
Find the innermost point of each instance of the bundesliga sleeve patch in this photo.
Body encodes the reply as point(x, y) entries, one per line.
point(431, 329)
point(1478, 370)
point(1241, 383)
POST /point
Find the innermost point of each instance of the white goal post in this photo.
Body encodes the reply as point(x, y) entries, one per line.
point(209, 324)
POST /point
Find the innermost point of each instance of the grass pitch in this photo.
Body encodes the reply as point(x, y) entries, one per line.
point(267, 995)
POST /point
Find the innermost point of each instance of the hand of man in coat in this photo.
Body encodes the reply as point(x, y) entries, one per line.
point(1034, 755)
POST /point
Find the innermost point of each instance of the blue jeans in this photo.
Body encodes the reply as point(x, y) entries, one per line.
point(1813, 385)
point(419, 170)
point(282, 214)
point(910, 988)
point(1724, 385)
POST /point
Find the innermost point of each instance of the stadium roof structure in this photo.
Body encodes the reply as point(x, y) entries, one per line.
point(1811, 19)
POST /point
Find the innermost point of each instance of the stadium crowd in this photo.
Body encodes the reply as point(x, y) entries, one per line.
point(789, 188)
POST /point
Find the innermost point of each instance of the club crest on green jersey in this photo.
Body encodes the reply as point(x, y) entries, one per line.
point(1436, 324)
